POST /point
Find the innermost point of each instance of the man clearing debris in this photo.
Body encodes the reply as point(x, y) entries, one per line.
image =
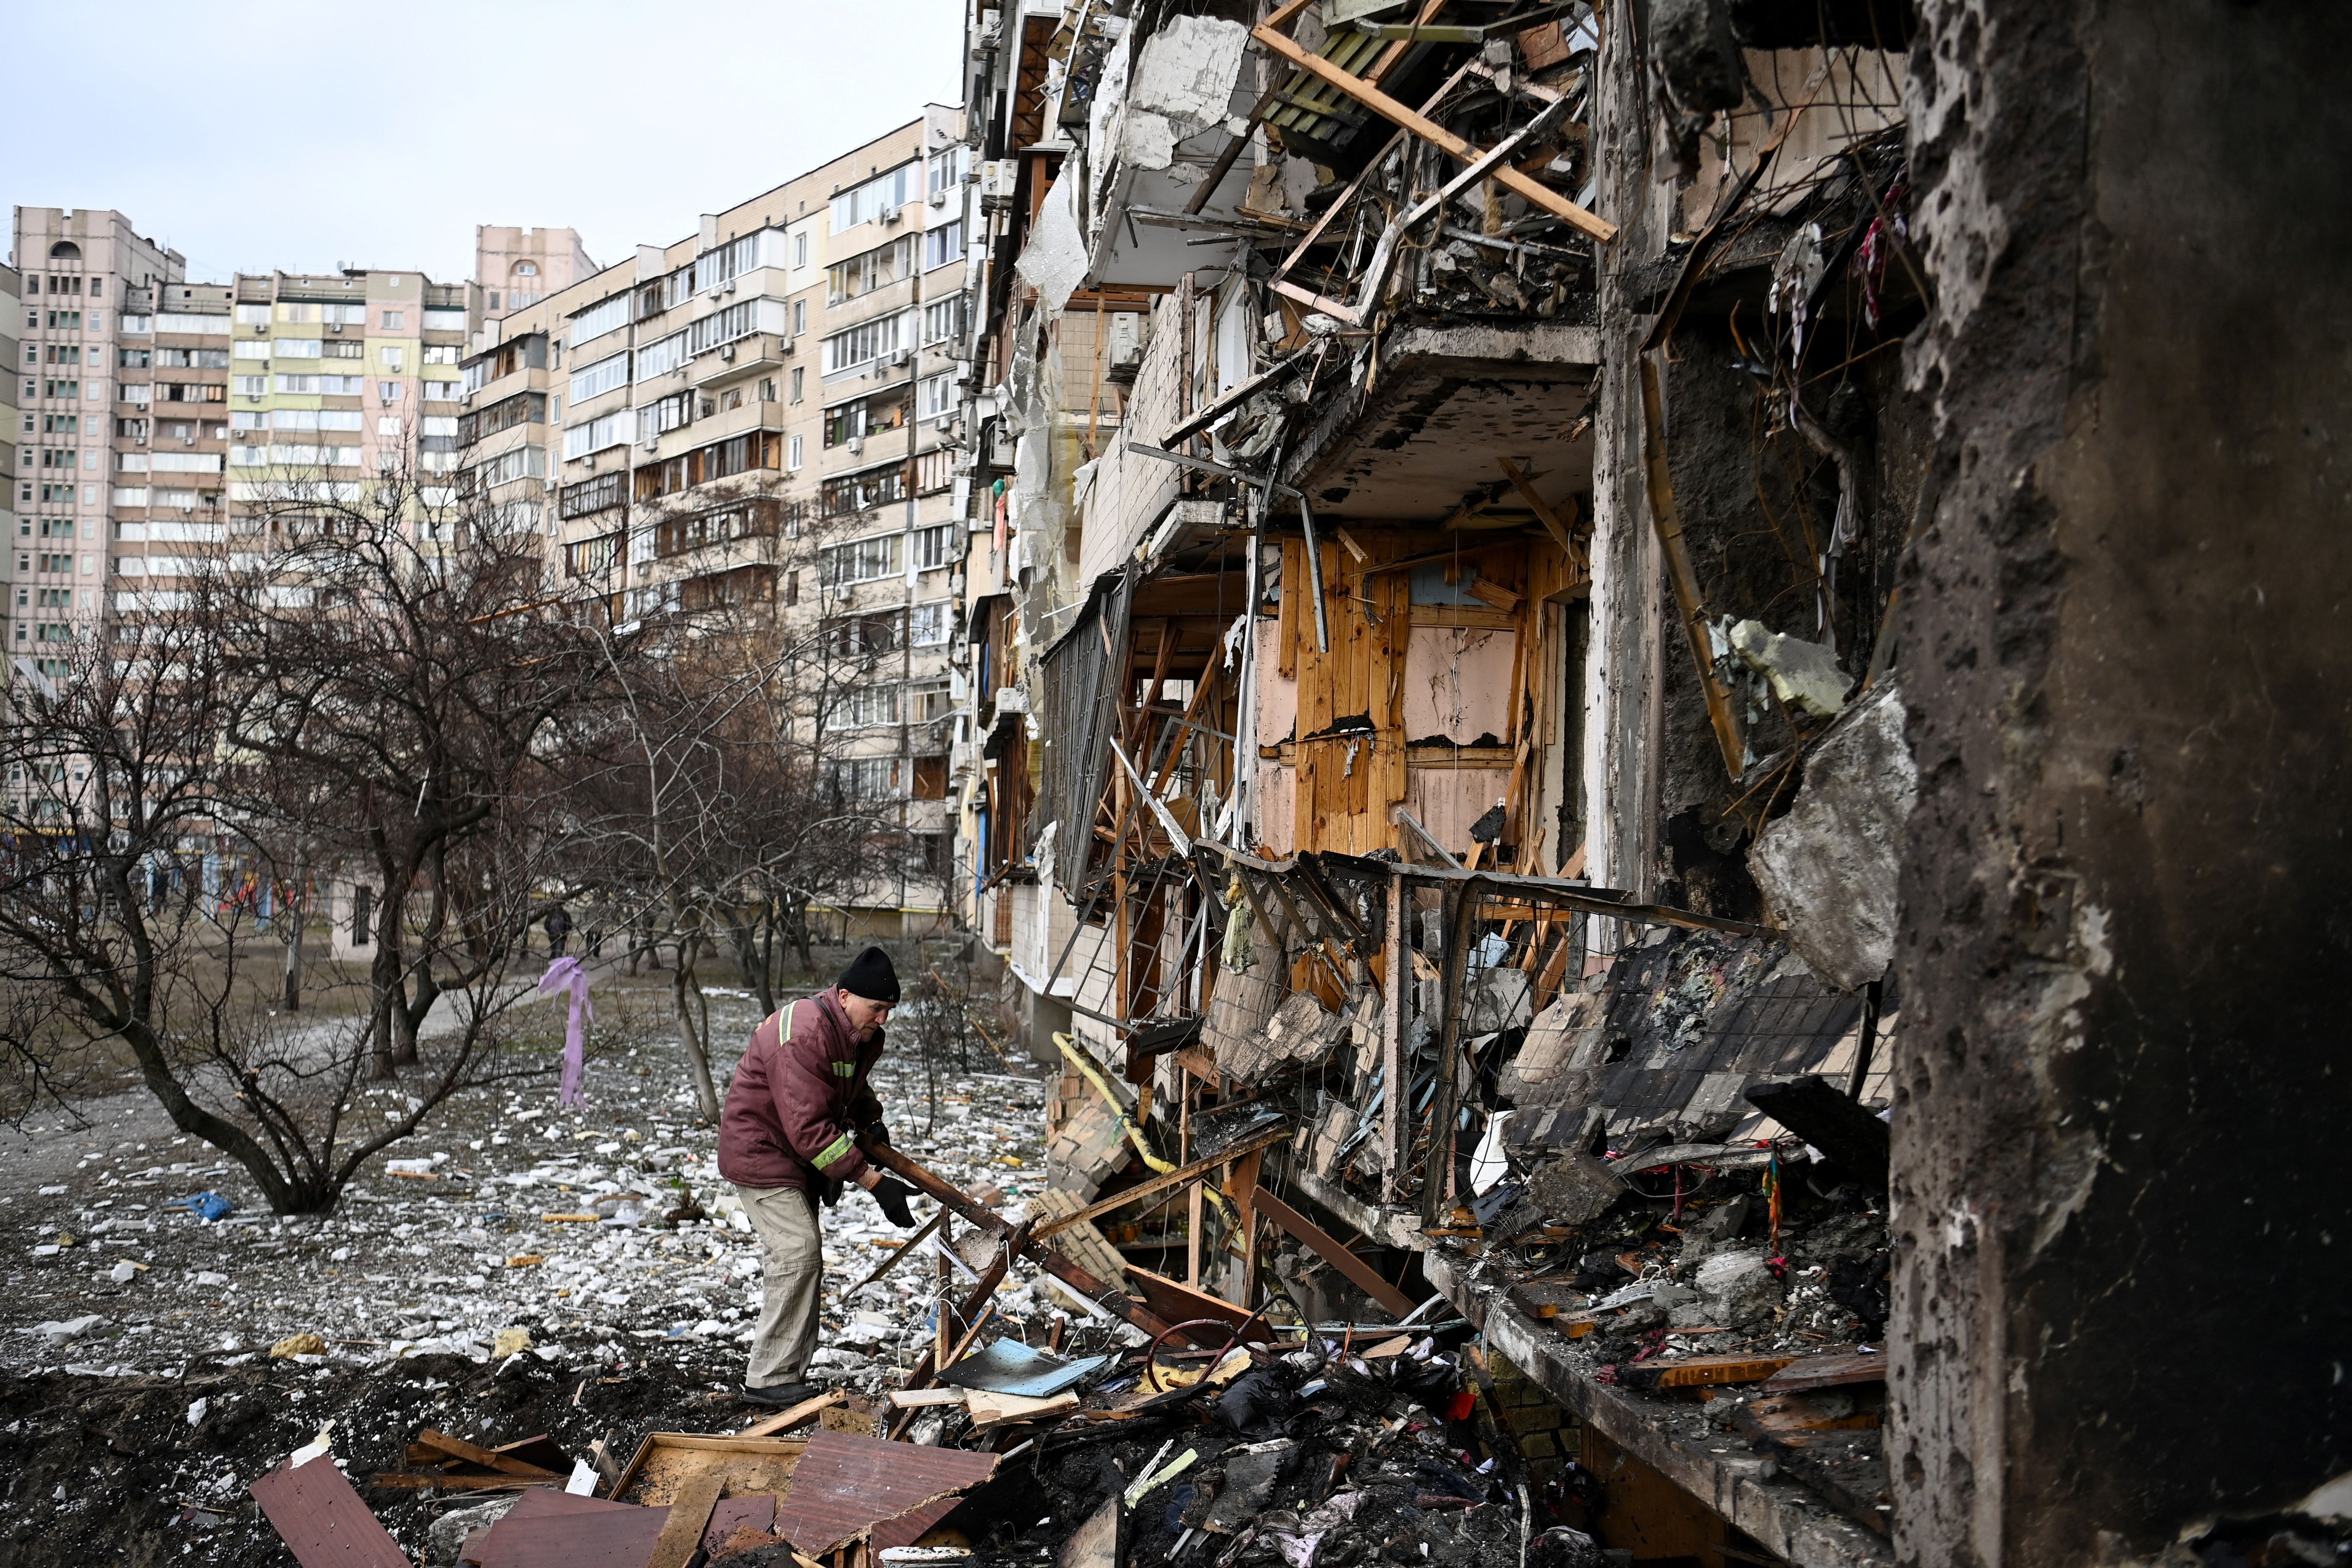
point(790, 1134)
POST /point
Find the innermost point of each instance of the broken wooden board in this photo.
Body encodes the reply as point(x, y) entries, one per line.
point(321, 1518)
point(784, 1420)
point(549, 1528)
point(665, 1461)
point(991, 1409)
point(923, 1398)
point(1094, 1544)
point(1771, 1415)
point(689, 1518)
point(1827, 1371)
point(843, 1487)
point(1178, 1302)
point(1701, 1371)
point(441, 1443)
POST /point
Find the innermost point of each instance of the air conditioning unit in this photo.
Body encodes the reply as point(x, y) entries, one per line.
point(856, 444)
point(889, 215)
point(997, 178)
point(334, 326)
point(940, 197)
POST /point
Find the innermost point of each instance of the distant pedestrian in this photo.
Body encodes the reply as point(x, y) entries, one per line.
point(558, 927)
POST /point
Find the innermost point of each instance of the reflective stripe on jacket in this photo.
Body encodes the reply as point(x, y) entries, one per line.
point(798, 1098)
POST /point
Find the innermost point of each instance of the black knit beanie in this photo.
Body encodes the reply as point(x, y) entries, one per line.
point(871, 975)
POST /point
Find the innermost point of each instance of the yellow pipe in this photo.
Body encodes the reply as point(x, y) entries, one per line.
point(1134, 1133)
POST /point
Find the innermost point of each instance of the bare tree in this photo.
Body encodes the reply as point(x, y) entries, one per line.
point(140, 807)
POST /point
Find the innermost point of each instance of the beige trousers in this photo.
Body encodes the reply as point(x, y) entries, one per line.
point(792, 1284)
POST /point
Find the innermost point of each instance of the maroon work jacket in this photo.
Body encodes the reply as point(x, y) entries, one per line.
point(798, 1098)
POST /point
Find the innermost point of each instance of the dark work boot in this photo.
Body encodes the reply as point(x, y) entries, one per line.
point(782, 1395)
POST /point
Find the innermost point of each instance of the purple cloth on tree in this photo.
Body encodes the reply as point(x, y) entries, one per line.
point(566, 974)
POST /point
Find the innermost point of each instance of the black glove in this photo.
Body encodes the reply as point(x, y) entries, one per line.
point(875, 1133)
point(892, 1195)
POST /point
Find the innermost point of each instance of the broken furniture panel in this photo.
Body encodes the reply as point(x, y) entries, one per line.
point(321, 1518)
point(843, 1487)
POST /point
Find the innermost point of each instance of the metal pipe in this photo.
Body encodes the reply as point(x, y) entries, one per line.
point(1315, 577)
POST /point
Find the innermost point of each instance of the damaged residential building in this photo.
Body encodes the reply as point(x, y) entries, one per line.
point(1648, 666)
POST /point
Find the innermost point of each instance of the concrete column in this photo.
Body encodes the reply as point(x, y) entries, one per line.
point(2122, 1242)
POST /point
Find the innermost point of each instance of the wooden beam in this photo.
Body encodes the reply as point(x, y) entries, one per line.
point(1428, 130)
point(1553, 522)
point(1190, 1171)
point(1393, 1093)
point(459, 1448)
point(1329, 1249)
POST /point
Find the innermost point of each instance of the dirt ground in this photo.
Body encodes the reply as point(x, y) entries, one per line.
point(133, 1438)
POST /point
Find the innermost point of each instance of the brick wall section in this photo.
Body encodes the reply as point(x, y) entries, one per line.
point(1548, 1433)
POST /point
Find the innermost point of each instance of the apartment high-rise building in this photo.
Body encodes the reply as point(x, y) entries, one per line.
point(761, 419)
point(340, 378)
point(94, 293)
point(519, 266)
point(11, 303)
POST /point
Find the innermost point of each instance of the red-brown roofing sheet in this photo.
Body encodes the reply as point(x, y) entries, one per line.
point(549, 1528)
point(845, 1485)
point(322, 1521)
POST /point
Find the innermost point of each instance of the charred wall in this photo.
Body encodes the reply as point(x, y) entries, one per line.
point(2120, 1289)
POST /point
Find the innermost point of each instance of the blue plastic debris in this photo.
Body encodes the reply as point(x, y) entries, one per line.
point(1008, 1367)
point(206, 1206)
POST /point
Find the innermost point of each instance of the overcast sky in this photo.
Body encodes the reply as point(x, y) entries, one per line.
point(250, 137)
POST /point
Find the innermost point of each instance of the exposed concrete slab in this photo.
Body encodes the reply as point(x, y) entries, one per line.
point(1445, 405)
point(1790, 1521)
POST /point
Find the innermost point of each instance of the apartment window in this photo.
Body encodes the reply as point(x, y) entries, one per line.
point(54, 424)
point(853, 494)
point(799, 248)
point(604, 316)
point(799, 317)
point(794, 463)
point(72, 389)
point(590, 495)
point(390, 427)
point(436, 391)
point(440, 424)
point(723, 327)
point(868, 270)
point(862, 344)
point(934, 472)
point(664, 415)
point(443, 320)
point(612, 430)
point(58, 353)
point(253, 315)
point(862, 560)
point(927, 625)
point(796, 382)
point(864, 706)
point(252, 348)
point(522, 463)
point(943, 245)
point(935, 396)
point(713, 268)
point(587, 557)
point(934, 547)
point(294, 419)
point(343, 385)
point(301, 348)
point(392, 357)
point(589, 381)
point(440, 354)
point(943, 319)
point(211, 326)
point(951, 169)
point(865, 416)
point(345, 348)
point(864, 778)
point(393, 321)
point(882, 193)
point(139, 325)
point(660, 358)
point(522, 409)
point(244, 386)
point(389, 391)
